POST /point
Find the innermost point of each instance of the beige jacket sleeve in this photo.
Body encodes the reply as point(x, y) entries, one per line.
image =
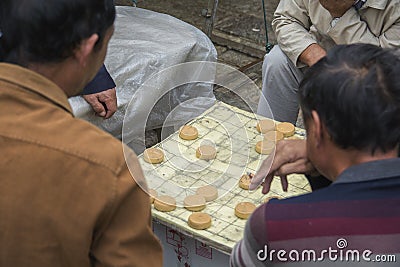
point(125, 237)
point(292, 24)
point(300, 23)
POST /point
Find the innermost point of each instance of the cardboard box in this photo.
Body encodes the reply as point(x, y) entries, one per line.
point(181, 250)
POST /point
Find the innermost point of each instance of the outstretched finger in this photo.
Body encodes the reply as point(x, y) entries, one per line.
point(267, 183)
point(284, 183)
point(262, 173)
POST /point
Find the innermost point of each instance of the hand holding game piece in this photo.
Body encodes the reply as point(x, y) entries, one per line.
point(290, 157)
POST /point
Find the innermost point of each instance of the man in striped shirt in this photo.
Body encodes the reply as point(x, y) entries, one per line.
point(351, 106)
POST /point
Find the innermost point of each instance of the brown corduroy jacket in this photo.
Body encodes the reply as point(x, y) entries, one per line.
point(67, 197)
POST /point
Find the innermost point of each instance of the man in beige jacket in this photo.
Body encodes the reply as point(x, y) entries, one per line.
point(306, 29)
point(67, 197)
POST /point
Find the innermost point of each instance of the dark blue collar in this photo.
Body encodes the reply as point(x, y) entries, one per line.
point(359, 4)
point(373, 170)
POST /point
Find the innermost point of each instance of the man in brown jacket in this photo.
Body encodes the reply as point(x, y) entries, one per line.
point(67, 197)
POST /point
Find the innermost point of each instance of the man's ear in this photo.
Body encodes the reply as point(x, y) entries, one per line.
point(317, 130)
point(86, 47)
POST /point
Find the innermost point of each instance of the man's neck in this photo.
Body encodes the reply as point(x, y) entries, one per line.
point(60, 74)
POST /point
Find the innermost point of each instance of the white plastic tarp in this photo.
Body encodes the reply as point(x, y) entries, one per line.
point(145, 43)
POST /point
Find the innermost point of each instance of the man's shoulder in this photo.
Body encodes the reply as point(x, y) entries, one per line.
point(94, 145)
point(72, 139)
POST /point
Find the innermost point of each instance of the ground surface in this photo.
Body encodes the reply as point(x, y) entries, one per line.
point(241, 22)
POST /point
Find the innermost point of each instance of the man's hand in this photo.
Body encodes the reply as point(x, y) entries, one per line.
point(290, 157)
point(337, 7)
point(312, 54)
point(103, 103)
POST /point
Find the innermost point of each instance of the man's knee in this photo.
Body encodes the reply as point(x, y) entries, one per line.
point(275, 60)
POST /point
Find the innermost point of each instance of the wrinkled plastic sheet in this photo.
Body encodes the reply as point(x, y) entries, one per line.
point(145, 43)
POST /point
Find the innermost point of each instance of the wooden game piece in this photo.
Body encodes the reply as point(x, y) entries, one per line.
point(199, 220)
point(153, 155)
point(266, 200)
point(188, 132)
point(209, 192)
point(286, 128)
point(243, 210)
point(265, 147)
point(194, 203)
point(266, 125)
point(165, 203)
point(206, 152)
point(245, 181)
point(273, 136)
point(153, 194)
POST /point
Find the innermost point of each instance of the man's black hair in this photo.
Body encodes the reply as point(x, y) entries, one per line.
point(355, 90)
point(43, 31)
